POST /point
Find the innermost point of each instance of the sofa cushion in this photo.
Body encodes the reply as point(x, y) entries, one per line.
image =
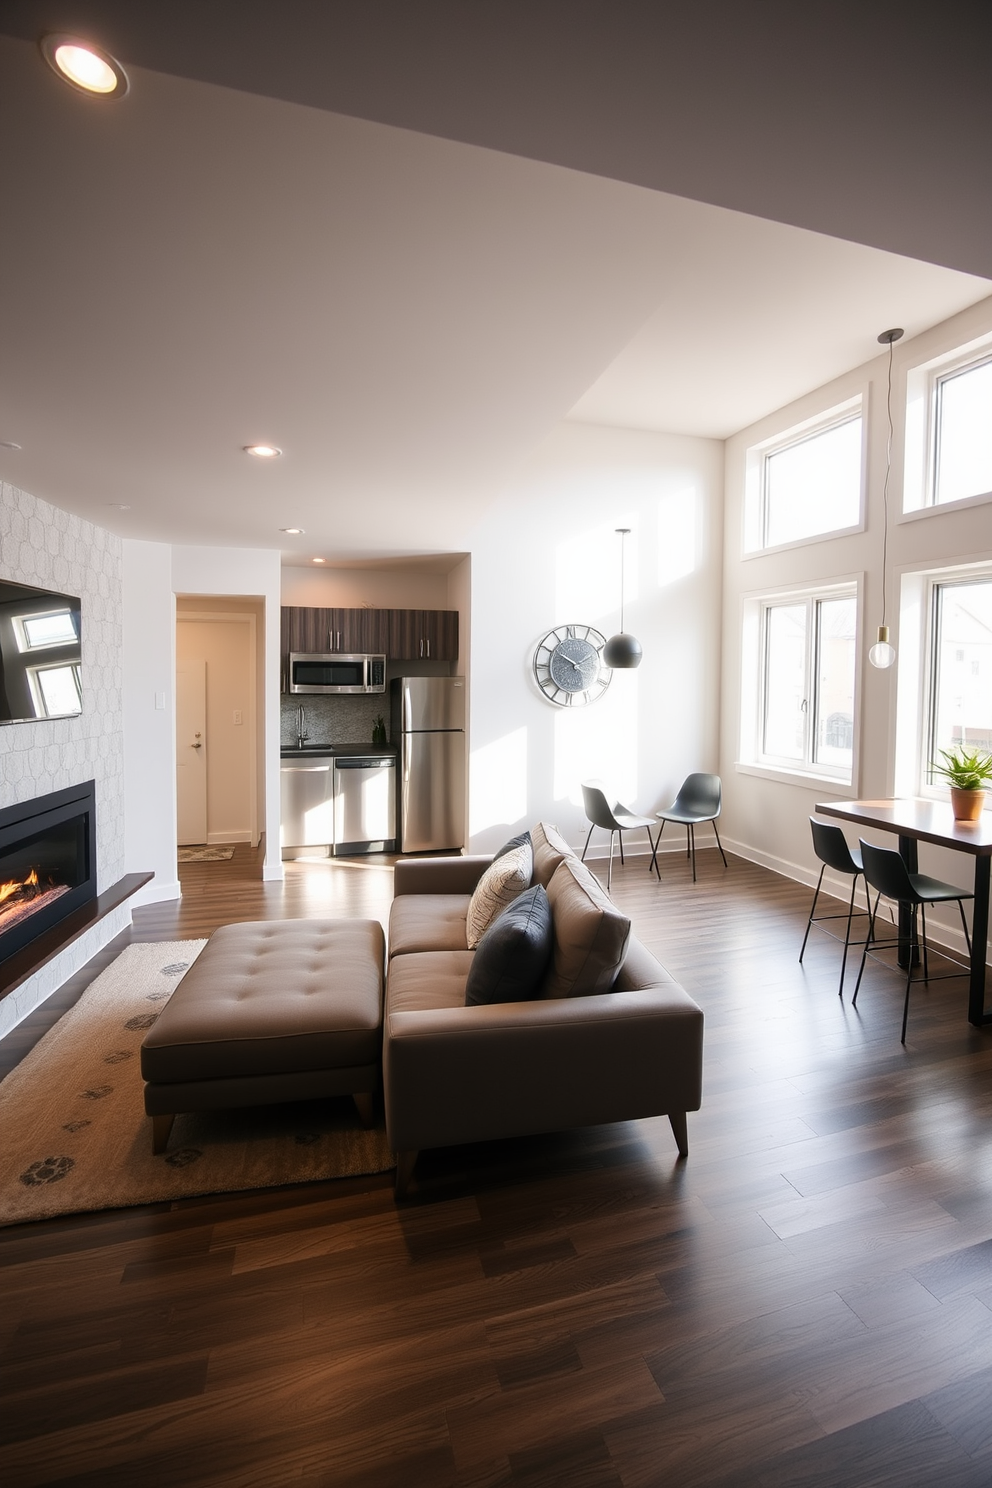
point(427, 922)
point(517, 841)
point(427, 980)
point(591, 934)
point(502, 881)
point(511, 959)
point(550, 848)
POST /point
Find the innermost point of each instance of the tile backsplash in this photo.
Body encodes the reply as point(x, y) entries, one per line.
point(334, 720)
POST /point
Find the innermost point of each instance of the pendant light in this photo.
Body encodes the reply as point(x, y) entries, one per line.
point(622, 651)
point(883, 654)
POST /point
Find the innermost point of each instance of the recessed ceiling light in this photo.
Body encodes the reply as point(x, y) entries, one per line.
point(262, 451)
point(293, 531)
point(84, 66)
point(320, 560)
point(8, 444)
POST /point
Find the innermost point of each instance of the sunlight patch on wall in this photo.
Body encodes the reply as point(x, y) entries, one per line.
point(599, 742)
point(678, 535)
point(587, 572)
point(498, 776)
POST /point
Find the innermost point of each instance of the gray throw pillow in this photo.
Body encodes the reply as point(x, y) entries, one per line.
point(513, 956)
point(517, 841)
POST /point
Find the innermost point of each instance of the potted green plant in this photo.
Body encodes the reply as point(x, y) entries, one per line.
point(967, 772)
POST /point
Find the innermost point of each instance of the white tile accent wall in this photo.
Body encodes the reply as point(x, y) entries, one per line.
point(40, 544)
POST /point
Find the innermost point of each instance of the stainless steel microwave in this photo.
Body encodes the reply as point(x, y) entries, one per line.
point(336, 672)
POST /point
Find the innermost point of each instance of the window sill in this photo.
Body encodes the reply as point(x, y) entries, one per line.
point(825, 784)
point(936, 508)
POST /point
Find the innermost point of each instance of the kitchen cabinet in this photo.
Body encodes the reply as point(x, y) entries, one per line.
point(400, 635)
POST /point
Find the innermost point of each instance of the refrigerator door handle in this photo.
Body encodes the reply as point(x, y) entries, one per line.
point(407, 752)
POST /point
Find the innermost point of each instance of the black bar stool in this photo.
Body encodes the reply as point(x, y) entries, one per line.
point(830, 846)
point(886, 872)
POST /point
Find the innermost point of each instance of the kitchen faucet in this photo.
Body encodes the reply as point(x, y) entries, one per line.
point(302, 732)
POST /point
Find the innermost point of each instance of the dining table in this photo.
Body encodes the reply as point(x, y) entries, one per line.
point(915, 820)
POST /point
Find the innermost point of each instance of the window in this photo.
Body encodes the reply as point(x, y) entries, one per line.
point(806, 483)
point(960, 669)
point(807, 651)
point(949, 429)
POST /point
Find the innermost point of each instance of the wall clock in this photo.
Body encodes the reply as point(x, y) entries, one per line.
point(568, 665)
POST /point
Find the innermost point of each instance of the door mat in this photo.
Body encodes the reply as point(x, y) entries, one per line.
point(73, 1131)
point(205, 854)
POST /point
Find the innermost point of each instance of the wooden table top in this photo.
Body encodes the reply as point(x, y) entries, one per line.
point(929, 821)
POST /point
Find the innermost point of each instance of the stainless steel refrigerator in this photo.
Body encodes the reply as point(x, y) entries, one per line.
point(428, 723)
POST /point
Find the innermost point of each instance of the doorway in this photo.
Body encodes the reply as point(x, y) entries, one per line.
point(216, 722)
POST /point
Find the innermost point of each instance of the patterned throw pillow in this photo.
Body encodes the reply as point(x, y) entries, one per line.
point(502, 881)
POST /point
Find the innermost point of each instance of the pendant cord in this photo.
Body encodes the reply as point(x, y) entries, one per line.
point(885, 487)
point(622, 539)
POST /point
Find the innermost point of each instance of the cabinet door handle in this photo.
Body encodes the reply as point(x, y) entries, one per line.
point(428, 649)
point(421, 647)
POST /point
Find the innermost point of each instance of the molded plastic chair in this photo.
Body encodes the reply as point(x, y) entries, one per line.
point(614, 819)
point(700, 799)
point(886, 871)
point(830, 846)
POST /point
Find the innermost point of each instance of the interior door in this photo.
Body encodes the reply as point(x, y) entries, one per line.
point(191, 752)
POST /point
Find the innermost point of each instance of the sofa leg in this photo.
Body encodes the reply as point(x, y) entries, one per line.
point(365, 1105)
point(161, 1129)
point(680, 1132)
point(405, 1163)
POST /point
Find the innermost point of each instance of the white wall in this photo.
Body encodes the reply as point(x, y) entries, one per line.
point(397, 588)
point(767, 819)
point(40, 544)
point(546, 555)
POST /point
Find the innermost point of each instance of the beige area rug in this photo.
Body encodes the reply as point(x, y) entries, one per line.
point(205, 854)
point(73, 1131)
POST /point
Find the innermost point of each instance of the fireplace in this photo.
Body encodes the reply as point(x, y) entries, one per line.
point(47, 863)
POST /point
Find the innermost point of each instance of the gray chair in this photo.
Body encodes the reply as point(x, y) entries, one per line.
point(615, 819)
point(700, 799)
point(886, 872)
point(830, 846)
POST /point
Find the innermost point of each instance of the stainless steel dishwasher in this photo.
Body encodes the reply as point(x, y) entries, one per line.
point(307, 802)
point(364, 803)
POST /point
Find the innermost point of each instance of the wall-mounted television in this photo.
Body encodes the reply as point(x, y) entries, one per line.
point(39, 654)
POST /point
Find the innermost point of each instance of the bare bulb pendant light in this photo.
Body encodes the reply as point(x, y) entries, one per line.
point(883, 654)
point(622, 651)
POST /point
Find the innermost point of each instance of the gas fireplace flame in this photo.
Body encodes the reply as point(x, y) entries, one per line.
point(14, 886)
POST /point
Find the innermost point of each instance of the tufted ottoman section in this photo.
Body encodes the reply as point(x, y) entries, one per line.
point(272, 1010)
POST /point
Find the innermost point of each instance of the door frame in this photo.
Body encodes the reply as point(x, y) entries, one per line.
point(243, 618)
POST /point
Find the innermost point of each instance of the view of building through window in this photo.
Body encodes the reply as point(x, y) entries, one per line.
point(961, 668)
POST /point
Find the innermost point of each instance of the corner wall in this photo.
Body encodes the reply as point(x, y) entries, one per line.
point(40, 544)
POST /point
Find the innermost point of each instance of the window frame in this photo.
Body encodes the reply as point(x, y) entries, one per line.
point(754, 530)
point(922, 431)
point(754, 684)
point(936, 584)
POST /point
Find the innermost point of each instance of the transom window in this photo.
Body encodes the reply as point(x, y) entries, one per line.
point(807, 693)
point(962, 433)
point(806, 483)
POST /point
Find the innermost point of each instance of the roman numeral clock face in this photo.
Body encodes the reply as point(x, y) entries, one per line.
point(568, 665)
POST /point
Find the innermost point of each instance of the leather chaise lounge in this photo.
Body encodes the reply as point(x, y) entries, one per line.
point(454, 1073)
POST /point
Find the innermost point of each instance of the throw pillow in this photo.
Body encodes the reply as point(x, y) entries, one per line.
point(549, 849)
point(513, 955)
point(517, 841)
point(591, 934)
point(502, 881)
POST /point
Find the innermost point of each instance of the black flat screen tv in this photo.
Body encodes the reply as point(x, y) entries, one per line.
point(40, 654)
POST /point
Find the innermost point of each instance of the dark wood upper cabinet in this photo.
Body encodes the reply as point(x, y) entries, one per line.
point(400, 635)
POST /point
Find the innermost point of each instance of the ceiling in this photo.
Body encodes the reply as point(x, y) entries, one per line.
point(248, 247)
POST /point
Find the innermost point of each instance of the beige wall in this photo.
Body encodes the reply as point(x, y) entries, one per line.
point(223, 633)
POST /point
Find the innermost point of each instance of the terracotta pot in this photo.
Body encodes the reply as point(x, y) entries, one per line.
point(967, 805)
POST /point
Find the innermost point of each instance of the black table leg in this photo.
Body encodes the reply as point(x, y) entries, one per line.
point(909, 949)
point(979, 945)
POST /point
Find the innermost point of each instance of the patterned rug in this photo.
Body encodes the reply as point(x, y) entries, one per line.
point(73, 1131)
point(205, 854)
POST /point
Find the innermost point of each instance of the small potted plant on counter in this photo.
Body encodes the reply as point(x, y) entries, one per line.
point(968, 773)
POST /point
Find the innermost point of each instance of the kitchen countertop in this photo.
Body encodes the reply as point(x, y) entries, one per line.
point(293, 751)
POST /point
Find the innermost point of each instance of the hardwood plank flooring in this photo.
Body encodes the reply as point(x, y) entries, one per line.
point(806, 1301)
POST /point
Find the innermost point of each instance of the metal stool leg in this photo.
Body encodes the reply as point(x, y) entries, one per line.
point(809, 922)
point(847, 937)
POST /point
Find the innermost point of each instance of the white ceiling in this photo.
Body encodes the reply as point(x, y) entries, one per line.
point(195, 268)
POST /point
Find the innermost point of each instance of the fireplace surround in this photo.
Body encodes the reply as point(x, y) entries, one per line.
point(47, 863)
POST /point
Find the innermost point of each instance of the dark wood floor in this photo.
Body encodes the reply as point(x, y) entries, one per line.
point(806, 1301)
